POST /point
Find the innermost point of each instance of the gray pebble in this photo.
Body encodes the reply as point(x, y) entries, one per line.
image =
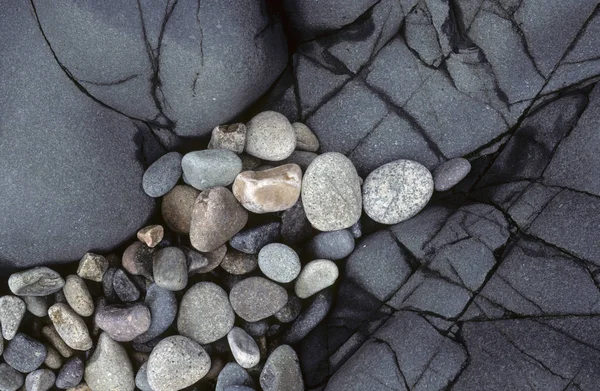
point(251, 240)
point(270, 136)
point(301, 158)
point(397, 191)
point(282, 371)
point(49, 332)
point(295, 227)
point(356, 230)
point(290, 311)
point(211, 167)
point(78, 295)
point(24, 353)
point(39, 281)
point(71, 328)
point(37, 305)
point(92, 267)
point(315, 276)
point(53, 358)
point(309, 319)
point(231, 137)
point(305, 138)
point(170, 269)
point(239, 388)
point(40, 380)
point(107, 285)
point(123, 323)
point(279, 262)
point(256, 329)
point(162, 175)
point(331, 245)
point(10, 379)
point(12, 310)
point(162, 304)
point(71, 374)
point(450, 173)
point(141, 378)
point(109, 368)
point(233, 375)
point(239, 263)
point(243, 348)
point(124, 287)
point(257, 298)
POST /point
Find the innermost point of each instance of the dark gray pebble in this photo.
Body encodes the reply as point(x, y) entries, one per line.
point(309, 319)
point(107, 285)
point(162, 175)
point(170, 269)
point(295, 227)
point(251, 240)
point(70, 374)
point(24, 353)
point(233, 375)
point(124, 287)
point(290, 311)
point(331, 245)
point(163, 309)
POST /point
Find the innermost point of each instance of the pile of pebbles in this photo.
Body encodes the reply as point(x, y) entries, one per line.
point(237, 272)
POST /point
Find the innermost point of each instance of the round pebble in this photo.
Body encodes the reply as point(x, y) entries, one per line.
point(251, 240)
point(231, 137)
point(397, 191)
point(92, 267)
point(162, 304)
point(162, 175)
point(78, 295)
point(109, 368)
point(233, 375)
point(210, 168)
point(279, 262)
point(450, 173)
point(39, 281)
point(177, 206)
point(290, 311)
point(10, 379)
point(40, 380)
point(331, 245)
point(239, 263)
point(305, 138)
point(282, 371)
point(24, 353)
point(257, 298)
point(243, 348)
point(170, 269)
point(176, 363)
point(124, 287)
point(37, 305)
point(331, 192)
point(270, 136)
point(315, 276)
point(71, 374)
point(151, 235)
point(71, 328)
point(12, 310)
point(123, 323)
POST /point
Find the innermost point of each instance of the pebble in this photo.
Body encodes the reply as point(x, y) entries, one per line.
point(10, 379)
point(80, 387)
point(109, 368)
point(331, 192)
point(24, 353)
point(271, 190)
point(290, 311)
point(107, 285)
point(137, 260)
point(71, 328)
point(216, 366)
point(170, 269)
point(162, 304)
point(49, 332)
point(205, 314)
point(177, 206)
point(39, 281)
point(305, 138)
point(331, 245)
point(175, 363)
point(78, 295)
point(257, 298)
point(92, 267)
point(239, 388)
point(231, 137)
point(53, 358)
point(302, 158)
point(40, 380)
point(210, 168)
point(450, 173)
point(309, 319)
point(217, 216)
point(295, 227)
point(123, 323)
point(279, 262)
point(12, 310)
point(249, 162)
point(204, 262)
point(251, 240)
point(141, 378)
point(397, 191)
point(71, 374)
point(1, 345)
point(238, 263)
point(151, 235)
point(356, 230)
point(37, 305)
point(270, 136)
point(233, 375)
point(315, 276)
point(256, 329)
point(162, 175)
point(124, 288)
point(243, 348)
point(282, 371)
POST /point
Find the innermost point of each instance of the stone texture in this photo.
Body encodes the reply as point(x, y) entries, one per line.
point(151, 235)
point(305, 138)
point(40, 380)
point(78, 295)
point(71, 328)
point(24, 353)
point(123, 323)
point(295, 227)
point(282, 371)
point(36, 305)
point(137, 260)
point(231, 137)
point(279, 262)
point(12, 310)
point(170, 269)
point(308, 320)
point(162, 304)
point(71, 374)
point(109, 368)
point(449, 173)
point(92, 267)
point(49, 332)
point(39, 281)
point(270, 136)
point(331, 245)
point(124, 287)
point(315, 276)
point(177, 206)
point(290, 311)
point(257, 298)
point(233, 375)
point(238, 263)
point(251, 240)
point(10, 379)
point(162, 175)
point(211, 168)
point(243, 348)
point(204, 262)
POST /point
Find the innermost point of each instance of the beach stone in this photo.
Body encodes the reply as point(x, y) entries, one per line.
point(78, 295)
point(162, 175)
point(397, 191)
point(239, 263)
point(177, 206)
point(271, 190)
point(239, 388)
point(356, 230)
point(309, 319)
point(256, 329)
point(243, 348)
point(257, 298)
point(204, 262)
point(49, 332)
point(40, 380)
point(279, 262)
point(71, 374)
point(24, 353)
point(251, 240)
point(107, 285)
point(450, 173)
point(302, 158)
point(39, 281)
point(315, 276)
point(233, 375)
point(305, 138)
point(231, 137)
point(331, 192)
point(53, 359)
point(36, 305)
point(151, 235)
point(137, 260)
point(211, 168)
point(12, 310)
point(282, 371)
point(92, 267)
point(124, 287)
point(170, 269)
point(295, 227)
point(331, 245)
point(290, 311)
point(123, 323)
point(270, 136)
point(205, 314)
point(71, 328)
point(109, 368)
point(141, 378)
point(249, 163)
point(162, 304)
point(10, 379)
point(175, 363)
point(217, 216)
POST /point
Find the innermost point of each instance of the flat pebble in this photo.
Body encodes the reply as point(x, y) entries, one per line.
point(217, 216)
point(243, 348)
point(71, 374)
point(124, 287)
point(251, 240)
point(123, 323)
point(177, 206)
point(205, 314)
point(257, 298)
point(175, 363)
point(282, 371)
point(162, 175)
point(331, 192)
point(141, 378)
point(290, 311)
point(37, 305)
point(305, 138)
point(71, 328)
point(331, 245)
point(49, 332)
point(53, 358)
point(109, 368)
point(24, 353)
point(210, 168)
point(10, 379)
point(40, 380)
point(314, 314)
point(12, 310)
point(270, 136)
point(315, 276)
point(170, 269)
point(92, 267)
point(231, 137)
point(302, 158)
point(397, 191)
point(151, 235)
point(295, 227)
point(204, 262)
point(39, 281)
point(162, 304)
point(137, 259)
point(238, 263)
point(279, 262)
point(450, 173)
point(78, 295)
point(233, 375)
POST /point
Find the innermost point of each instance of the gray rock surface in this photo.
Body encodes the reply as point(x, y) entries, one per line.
point(331, 245)
point(10, 379)
point(24, 353)
point(244, 349)
point(282, 371)
point(124, 287)
point(211, 167)
point(109, 367)
point(231, 137)
point(12, 310)
point(256, 298)
point(162, 175)
point(279, 262)
point(162, 304)
point(290, 311)
point(40, 380)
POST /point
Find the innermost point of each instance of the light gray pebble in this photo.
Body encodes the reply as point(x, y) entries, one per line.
point(39, 281)
point(78, 295)
point(53, 358)
point(12, 310)
point(257, 298)
point(37, 305)
point(141, 378)
point(450, 173)
point(162, 304)
point(270, 136)
point(231, 137)
point(279, 262)
point(331, 245)
point(211, 167)
point(170, 269)
point(24, 353)
point(71, 374)
point(282, 371)
point(109, 368)
point(305, 138)
point(243, 348)
point(233, 375)
point(71, 328)
point(10, 379)
point(290, 311)
point(40, 380)
point(123, 323)
point(315, 276)
point(162, 175)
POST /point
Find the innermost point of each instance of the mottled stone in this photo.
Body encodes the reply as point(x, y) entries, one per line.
point(162, 175)
point(124, 287)
point(49, 332)
point(71, 374)
point(71, 328)
point(279, 262)
point(123, 323)
point(92, 267)
point(290, 311)
point(331, 245)
point(257, 298)
point(251, 240)
point(24, 353)
point(177, 206)
point(53, 359)
point(137, 260)
point(238, 263)
point(243, 348)
point(109, 368)
point(10, 379)
point(39, 281)
point(170, 269)
point(270, 136)
point(40, 380)
point(315, 276)
point(231, 137)
point(449, 173)
point(151, 235)
point(282, 371)
point(37, 305)
point(305, 138)
point(12, 310)
point(78, 295)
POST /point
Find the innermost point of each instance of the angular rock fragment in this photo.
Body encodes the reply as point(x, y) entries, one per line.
point(92, 267)
point(151, 235)
point(231, 137)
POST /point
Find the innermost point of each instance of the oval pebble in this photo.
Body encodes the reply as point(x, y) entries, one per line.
point(12, 310)
point(177, 206)
point(233, 375)
point(141, 378)
point(397, 191)
point(450, 173)
point(243, 348)
point(123, 323)
point(71, 374)
point(210, 168)
point(78, 295)
point(49, 332)
point(109, 368)
point(305, 138)
point(332, 245)
point(315, 276)
point(314, 314)
point(204, 262)
point(71, 328)
point(39, 281)
point(162, 304)
point(37, 305)
point(257, 298)
point(10, 379)
point(162, 175)
point(53, 358)
point(239, 263)
point(279, 262)
point(24, 353)
point(270, 136)
point(170, 269)
point(40, 380)
point(282, 371)
point(251, 240)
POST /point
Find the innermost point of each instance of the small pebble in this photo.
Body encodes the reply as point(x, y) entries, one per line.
point(211, 168)
point(356, 230)
point(71, 374)
point(162, 175)
point(12, 310)
point(39, 281)
point(233, 375)
point(40, 380)
point(80, 387)
point(250, 163)
point(109, 368)
point(177, 206)
point(10, 379)
point(176, 363)
point(24, 353)
point(137, 260)
point(78, 295)
point(92, 267)
point(301, 158)
point(53, 358)
point(257, 298)
point(251, 240)
point(49, 332)
point(315, 276)
point(270, 136)
point(124, 287)
point(331, 245)
point(107, 285)
point(141, 378)
point(170, 269)
point(216, 366)
point(295, 227)
point(310, 318)
point(123, 323)
point(305, 138)
point(204, 262)
point(231, 137)
point(243, 348)
point(71, 328)
point(37, 305)
point(279, 262)
point(291, 310)
point(450, 173)
point(238, 263)
point(151, 235)
point(162, 304)
point(282, 371)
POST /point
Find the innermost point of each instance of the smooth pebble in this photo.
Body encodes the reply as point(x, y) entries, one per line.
point(270, 136)
point(109, 368)
point(257, 298)
point(71, 328)
point(305, 138)
point(123, 322)
point(231, 137)
point(251, 240)
point(162, 304)
point(10, 379)
point(331, 245)
point(162, 175)
point(78, 295)
point(243, 348)
point(71, 374)
point(282, 371)
point(279, 262)
point(315, 276)
point(233, 375)
point(210, 168)
point(24, 353)
point(450, 173)
point(39, 281)
point(12, 310)
point(177, 206)
point(40, 380)
point(170, 269)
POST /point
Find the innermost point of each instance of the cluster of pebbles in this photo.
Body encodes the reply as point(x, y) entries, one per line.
point(236, 274)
